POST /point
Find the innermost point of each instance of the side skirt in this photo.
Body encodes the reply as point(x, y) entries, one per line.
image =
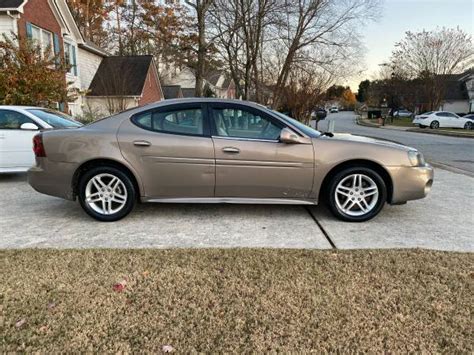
point(232, 200)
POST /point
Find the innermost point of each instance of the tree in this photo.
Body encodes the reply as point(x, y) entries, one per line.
point(309, 25)
point(90, 17)
point(348, 99)
point(29, 78)
point(201, 7)
point(362, 92)
point(431, 55)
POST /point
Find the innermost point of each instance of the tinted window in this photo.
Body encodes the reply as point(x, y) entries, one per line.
point(239, 123)
point(12, 119)
point(54, 118)
point(440, 114)
point(188, 121)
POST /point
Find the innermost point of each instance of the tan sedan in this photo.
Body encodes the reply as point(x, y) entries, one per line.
point(222, 151)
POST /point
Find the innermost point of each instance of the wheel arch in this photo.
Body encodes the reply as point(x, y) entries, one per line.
point(89, 164)
point(365, 163)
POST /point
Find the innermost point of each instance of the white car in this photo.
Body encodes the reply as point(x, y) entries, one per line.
point(334, 109)
point(442, 119)
point(18, 125)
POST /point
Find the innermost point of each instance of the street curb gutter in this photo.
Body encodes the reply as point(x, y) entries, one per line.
point(361, 122)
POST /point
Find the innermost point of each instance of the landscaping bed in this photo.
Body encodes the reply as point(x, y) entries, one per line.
point(236, 300)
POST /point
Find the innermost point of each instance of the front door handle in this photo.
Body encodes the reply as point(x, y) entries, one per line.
point(232, 150)
point(141, 143)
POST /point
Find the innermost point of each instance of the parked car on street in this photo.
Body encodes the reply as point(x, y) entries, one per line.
point(18, 125)
point(334, 109)
point(403, 113)
point(222, 151)
point(442, 119)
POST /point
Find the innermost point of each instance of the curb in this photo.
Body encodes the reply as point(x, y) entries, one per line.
point(439, 133)
point(361, 122)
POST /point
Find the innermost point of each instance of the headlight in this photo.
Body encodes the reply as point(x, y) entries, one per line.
point(416, 158)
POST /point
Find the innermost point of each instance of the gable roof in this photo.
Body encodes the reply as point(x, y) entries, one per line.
point(121, 76)
point(188, 92)
point(11, 4)
point(455, 90)
point(172, 91)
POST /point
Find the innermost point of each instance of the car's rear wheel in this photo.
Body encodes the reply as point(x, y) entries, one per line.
point(421, 126)
point(468, 125)
point(357, 194)
point(434, 125)
point(106, 193)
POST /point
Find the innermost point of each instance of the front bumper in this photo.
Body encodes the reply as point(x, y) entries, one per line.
point(52, 178)
point(410, 183)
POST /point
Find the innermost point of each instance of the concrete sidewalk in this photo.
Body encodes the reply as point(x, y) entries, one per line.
point(442, 221)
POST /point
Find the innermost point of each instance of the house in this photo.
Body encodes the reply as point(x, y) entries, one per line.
point(217, 81)
point(123, 82)
point(51, 25)
point(459, 93)
point(172, 91)
point(188, 92)
point(221, 84)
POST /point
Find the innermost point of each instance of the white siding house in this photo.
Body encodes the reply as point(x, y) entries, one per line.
point(8, 25)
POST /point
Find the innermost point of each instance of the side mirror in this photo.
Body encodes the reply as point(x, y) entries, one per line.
point(29, 126)
point(290, 137)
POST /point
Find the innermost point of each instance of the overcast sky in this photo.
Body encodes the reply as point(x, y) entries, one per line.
point(399, 16)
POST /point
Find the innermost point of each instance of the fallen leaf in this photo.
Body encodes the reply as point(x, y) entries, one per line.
point(145, 273)
point(51, 305)
point(43, 329)
point(120, 286)
point(167, 348)
point(19, 323)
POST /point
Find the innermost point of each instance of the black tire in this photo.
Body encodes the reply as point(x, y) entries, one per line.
point(434, 125)
point(378, 203)
point(468, 125)
point(128, 185)
point(421, 126)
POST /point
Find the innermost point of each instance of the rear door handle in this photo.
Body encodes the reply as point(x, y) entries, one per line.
point(141, 143)
point(232, 150)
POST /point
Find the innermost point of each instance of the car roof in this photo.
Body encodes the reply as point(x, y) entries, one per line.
point(17, 107)
point(194, 100)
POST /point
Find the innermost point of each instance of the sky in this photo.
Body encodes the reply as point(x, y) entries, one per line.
point(399, 16)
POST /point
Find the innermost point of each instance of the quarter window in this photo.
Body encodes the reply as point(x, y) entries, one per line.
point(244, 124)
point(12, 119)
point(187, 121)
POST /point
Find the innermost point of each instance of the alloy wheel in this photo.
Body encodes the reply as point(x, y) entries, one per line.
point(356, 195)
point(106, 194)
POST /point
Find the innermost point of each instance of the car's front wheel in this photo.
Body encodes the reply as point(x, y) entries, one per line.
point(106, 193)
point(357, 194)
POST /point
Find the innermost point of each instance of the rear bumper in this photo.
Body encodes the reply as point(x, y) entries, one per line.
point(52, 178)
point(410, 183)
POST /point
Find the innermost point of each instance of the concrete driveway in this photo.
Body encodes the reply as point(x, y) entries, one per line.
point(442, 221)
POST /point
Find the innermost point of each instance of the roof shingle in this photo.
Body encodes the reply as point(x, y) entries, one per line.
point(120, 76)
point(10, 4)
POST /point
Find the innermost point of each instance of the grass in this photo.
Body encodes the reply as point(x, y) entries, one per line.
point(236, 300)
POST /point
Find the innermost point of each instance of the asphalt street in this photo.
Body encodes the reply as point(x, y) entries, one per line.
point(451, 151)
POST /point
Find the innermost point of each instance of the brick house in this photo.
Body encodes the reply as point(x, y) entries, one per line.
point(123, 82)
point(51, 25)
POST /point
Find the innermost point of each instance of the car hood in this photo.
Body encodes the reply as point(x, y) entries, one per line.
point(367, 140)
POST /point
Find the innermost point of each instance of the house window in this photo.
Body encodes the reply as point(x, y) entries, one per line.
point(44, 39)
point(70, 57)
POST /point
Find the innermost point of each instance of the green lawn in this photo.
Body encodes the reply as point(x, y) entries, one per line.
point(236, 300)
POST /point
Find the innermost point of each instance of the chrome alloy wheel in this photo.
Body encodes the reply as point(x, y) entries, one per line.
point(356, 195)
point(106, 194)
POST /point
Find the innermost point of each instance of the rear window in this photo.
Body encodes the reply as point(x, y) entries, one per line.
point(54, 118)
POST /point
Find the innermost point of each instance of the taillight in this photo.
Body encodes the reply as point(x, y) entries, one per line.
point(38, 146)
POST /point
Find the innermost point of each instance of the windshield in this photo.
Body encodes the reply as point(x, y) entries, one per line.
point(310, 132)
point(54, 118)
